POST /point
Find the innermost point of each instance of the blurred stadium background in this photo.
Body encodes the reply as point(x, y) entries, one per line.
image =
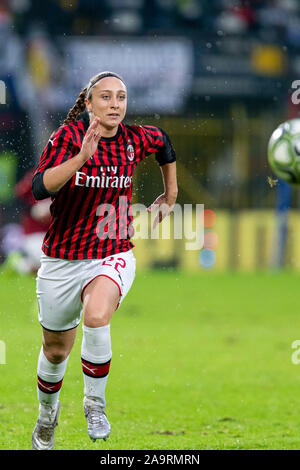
point(207, 335)
point(216, 75)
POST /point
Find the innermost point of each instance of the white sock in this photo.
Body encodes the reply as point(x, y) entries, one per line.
point(50, 378)
point(95, 359)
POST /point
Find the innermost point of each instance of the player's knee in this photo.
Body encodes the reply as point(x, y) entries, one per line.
point(56, 355)
point(97, 318)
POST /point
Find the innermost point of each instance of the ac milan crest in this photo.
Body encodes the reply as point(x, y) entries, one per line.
point(130, 152)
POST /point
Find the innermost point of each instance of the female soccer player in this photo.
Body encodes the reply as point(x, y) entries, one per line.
point(87, 265)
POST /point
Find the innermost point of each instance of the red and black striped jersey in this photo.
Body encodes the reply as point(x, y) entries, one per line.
point(91, 214)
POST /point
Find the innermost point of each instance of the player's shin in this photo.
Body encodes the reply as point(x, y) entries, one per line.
point(49, 382)
point(95, 358)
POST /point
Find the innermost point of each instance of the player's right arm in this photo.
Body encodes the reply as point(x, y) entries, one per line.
point(53, 173)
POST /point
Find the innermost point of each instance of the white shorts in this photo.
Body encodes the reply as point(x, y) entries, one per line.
point(60, 284)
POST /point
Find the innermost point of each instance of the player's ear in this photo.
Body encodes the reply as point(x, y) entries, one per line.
point(88, 105)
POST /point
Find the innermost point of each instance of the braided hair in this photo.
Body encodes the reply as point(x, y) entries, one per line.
point(78, 107)
point(85, 93)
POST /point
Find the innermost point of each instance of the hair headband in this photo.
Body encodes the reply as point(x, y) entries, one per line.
point(103, 75)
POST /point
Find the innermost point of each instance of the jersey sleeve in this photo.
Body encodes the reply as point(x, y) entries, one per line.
point(59, 148)
point(157, 141)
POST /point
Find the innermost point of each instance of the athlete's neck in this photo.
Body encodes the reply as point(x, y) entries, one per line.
point(108, 132)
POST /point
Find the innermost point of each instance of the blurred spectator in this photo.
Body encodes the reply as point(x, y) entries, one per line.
point(45, 70)
point(191, 12)
point(236, 17)
point(126, 16)
point(12, 64)
point(22, 243)
point(274, 15)
point(67, 17)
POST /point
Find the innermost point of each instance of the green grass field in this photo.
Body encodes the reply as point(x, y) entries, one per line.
point(200, 361)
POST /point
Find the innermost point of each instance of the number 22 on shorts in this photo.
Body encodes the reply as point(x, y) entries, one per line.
point(122, 265)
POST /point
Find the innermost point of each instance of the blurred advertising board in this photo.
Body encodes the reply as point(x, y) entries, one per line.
point(239, 67)
point(158, 72)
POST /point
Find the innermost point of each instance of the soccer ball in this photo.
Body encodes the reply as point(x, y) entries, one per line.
point(284, 151)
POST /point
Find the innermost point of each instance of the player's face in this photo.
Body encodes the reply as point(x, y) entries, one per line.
point(108, 101)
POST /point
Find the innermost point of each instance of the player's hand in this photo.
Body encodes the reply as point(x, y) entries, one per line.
point(165, 207)
point(90, 141)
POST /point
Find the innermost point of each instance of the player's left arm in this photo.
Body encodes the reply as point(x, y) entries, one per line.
point(166, 158)
point(166, 201)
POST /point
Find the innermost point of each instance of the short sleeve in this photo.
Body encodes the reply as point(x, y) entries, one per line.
point(157, 141)
point(58, 150)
